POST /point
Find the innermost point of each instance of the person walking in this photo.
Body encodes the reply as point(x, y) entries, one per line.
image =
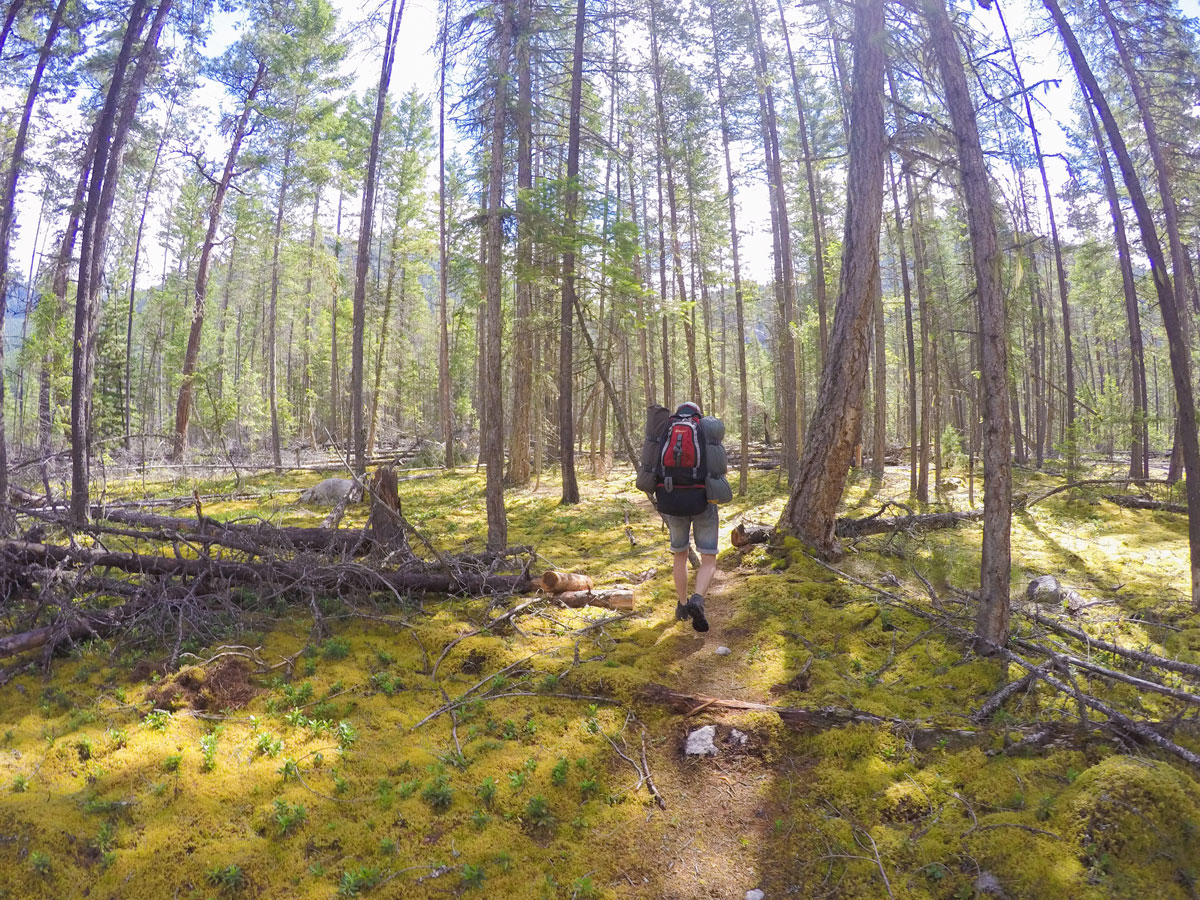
point(683, 470)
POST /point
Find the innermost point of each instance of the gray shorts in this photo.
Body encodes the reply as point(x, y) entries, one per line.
point(704, 526)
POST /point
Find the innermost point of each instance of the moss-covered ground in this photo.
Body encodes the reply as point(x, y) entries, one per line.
point(325, 782)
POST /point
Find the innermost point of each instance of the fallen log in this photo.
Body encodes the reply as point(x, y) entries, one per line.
point(293, 575)
point(924, 735)
point(212, 531)
point(1130, 502)
point(852, 527)
point(848, 527)
point(613, 598)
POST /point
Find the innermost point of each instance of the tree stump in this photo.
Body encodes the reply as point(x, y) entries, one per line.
point(385, 524)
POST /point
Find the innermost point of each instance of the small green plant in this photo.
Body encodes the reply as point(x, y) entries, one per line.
point(1045, 807)
point(480, 819)
point(504, 861)
point(472, 876)
point(171, 763)
point(558, 775)
point(340, 784)
point(516, 780)
point(117, 737)
point(408, 787)
point(336, 648)
point(289, 816)
point(509, 732)
point(20, 784)
point(157, 720)
point(387, 847)
point(40, 862)
point(347, 734)
point(538, 815)
point(588, 788)
point(584, 888)
point(208, 749)
point(309, 669)
point(384, 658)
point(486, 791)
point(355, 881)
point(268, 745)
point(438, 793)
point(227, 879)
point(84, 748)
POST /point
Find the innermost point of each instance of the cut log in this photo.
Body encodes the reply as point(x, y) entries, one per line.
point(614, 598)
point(559, 582)
point(745, 535)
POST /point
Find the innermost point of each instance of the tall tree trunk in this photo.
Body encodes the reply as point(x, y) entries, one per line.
point(115, 119)
point(743, 393)
point(1166, 293)
point(335, 387)
point(443, 302)
point(566, 359)
point(362, 257)
point(906, 285)
point(811, 510)
point(183, 407)
point(1056, 244)
point(814, 203)
point(879, 388)
point(8, 199)
point(273, 309)
point(790, 440)
point(1139, 432)
point(492, 411)
point(522, 361)
point(991, 623)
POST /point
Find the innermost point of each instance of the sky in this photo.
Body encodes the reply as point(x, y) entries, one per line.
point(417, 68)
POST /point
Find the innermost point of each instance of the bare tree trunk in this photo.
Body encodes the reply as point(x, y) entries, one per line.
point(273, 309)
point(566, 420)
point(492, 412)
point(362, 256)
point(743, 393)
point(183, 408)
point(1166, 293)
point(991, 624)
point(811, 510)
point(790, 441)
point(913, 450)
point(879, 388)
point(814, 203)
point(8, 198)
point(522, 361)
point(115, 120)
point(443, 303)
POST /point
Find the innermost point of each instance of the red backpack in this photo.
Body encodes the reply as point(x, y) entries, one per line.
point(681, 465)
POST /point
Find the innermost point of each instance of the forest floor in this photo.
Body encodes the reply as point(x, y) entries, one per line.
point(121, 780)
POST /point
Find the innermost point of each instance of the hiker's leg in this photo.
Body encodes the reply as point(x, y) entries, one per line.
point(681, 576)
point(708, 566)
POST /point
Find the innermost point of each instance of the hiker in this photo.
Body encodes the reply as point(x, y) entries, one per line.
point(683, 469)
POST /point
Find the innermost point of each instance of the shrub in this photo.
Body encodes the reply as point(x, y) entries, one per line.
point(355, 881)
point(289, 816)
point(226, 878)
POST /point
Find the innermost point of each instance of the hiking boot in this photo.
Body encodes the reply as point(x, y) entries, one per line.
point(681, 612)
point(695, 609)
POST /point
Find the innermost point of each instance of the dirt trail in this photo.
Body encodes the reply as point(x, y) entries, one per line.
point(717, 807)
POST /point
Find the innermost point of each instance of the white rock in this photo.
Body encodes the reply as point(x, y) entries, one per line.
point(755, 894)
point(737, 737)
point(700, 742)
point(328, 492)
point(723, 651)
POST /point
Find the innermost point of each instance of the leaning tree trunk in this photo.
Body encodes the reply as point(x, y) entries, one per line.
point(183, 407)
point(743, 394)
point(811, 510)
point(8, 198)
point(362, 256)
point(492, 411)
point(566, 359)
point(1177, 344)
point(522, 416)
point(1139, 432)
point(991, 624)
point(109, 137)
